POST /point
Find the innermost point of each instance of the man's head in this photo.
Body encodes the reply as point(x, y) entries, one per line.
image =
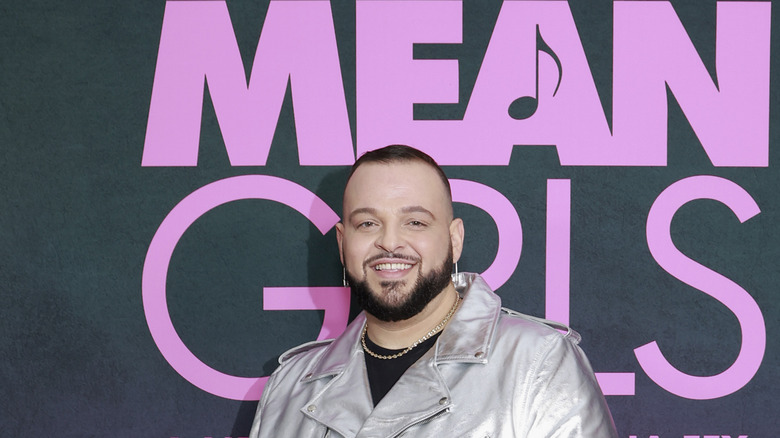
point(398, 239)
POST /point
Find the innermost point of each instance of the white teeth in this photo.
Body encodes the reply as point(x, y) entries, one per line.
point(392, 266)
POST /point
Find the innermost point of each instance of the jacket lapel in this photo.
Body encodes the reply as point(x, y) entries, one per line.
point(345, 401)
point(418, 395)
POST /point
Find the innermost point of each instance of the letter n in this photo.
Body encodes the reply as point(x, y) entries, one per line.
point(730, 116)
point(297, 46)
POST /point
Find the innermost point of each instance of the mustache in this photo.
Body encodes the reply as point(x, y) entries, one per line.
point(390, 255)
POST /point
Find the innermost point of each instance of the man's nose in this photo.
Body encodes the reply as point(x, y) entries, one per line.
point(389, 239)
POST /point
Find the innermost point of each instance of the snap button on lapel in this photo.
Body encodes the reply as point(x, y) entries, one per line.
point(443, 401)
point(311, 408)
point(479, 354)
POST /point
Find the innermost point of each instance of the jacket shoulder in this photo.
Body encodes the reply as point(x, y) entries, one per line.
point(309, 346)
point(563, 329)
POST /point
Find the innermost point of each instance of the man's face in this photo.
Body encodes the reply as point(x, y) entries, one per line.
point(398, 239)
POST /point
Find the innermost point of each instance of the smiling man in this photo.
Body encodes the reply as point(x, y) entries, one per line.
point(433, 354)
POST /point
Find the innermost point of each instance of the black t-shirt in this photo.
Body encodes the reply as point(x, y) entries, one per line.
point(383, 373)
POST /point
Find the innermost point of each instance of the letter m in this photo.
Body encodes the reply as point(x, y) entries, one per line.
point(297, 46)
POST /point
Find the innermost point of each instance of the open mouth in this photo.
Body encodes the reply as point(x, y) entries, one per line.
point(392, 266)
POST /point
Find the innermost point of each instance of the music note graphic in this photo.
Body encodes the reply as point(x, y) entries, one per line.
point(524, 107)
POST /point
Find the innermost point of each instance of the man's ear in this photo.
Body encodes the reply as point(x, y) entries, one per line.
point(456, 238)
point(340, 240)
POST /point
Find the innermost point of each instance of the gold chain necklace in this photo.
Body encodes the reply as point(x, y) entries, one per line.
point(427, 336)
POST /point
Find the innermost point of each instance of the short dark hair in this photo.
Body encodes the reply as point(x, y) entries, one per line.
point(401, 153)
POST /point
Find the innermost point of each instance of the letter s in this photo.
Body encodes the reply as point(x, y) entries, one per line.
point(734, 297)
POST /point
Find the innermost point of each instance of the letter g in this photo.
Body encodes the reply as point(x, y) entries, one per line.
point(334, 300)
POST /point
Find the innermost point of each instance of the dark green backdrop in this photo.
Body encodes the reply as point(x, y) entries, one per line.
point(77, 214)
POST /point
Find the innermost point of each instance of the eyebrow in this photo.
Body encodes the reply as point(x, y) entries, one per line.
point(417, 209)
point(405, 210)
point(364, 210)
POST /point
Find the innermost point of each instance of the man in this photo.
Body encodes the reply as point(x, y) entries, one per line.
point(432, 355)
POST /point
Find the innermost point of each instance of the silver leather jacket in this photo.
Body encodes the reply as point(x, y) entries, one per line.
point(492, 373)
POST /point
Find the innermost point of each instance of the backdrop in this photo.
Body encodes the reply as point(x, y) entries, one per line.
point(172, 173)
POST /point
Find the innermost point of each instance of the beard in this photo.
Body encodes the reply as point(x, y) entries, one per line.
point(391, 304)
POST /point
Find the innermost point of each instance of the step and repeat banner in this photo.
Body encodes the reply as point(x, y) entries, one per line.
point(172, 174)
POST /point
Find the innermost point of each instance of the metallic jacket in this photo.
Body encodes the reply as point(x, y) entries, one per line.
point(492, 373)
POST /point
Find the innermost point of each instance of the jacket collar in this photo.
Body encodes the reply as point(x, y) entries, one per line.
point(467, 337)
point(344, 404)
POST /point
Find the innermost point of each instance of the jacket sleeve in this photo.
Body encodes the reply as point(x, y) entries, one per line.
point(562, 398)
point(267, 390)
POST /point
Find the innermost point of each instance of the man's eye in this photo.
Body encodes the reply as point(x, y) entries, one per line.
point(416, 223)
point(365, 224)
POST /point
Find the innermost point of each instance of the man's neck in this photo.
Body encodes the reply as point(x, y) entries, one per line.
point(401, 334)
